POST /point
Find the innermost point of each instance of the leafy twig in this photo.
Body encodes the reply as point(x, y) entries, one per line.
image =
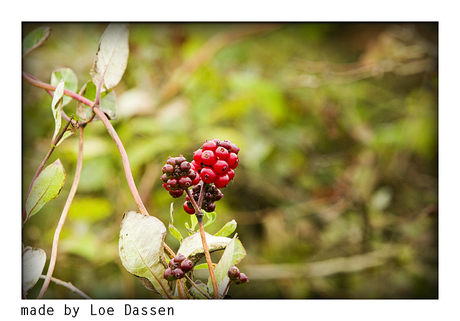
point(57, 232)
point(39, 169)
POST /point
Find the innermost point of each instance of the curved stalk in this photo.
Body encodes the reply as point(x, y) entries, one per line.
point(58, 230)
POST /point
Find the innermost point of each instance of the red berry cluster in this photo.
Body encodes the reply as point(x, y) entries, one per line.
point(211, 195)
point(215, 161)
point(178, 266)
point(213, 164)
point(236, 276)
point(178, 175)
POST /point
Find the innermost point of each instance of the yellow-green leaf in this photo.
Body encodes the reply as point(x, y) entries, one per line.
point(45, 188)
point(141, 250)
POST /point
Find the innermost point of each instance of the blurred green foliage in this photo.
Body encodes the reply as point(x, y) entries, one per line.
point(336, 194)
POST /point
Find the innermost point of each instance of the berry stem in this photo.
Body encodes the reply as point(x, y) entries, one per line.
point(199, 216)
point(197, 287)
point(227, 287)
point(181, 289)
point(200, 200)
point(208, 256)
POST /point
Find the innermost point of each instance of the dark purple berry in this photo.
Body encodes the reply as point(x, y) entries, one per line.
point(176, 193)
point(178, 273)
point(168, 169)
point(168, 275)
point(179, 258)
point(185, 182)
point(242, 279)
point(186, 265)
point(233, 273)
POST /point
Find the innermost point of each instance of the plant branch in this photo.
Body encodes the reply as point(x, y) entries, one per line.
point(37, 83)
point(57, 232)
point(199, 216)
point(68, 285)
point(39, 169)
point(197, 287)
point(125, 160)
point(181, 289)
point(208, 257)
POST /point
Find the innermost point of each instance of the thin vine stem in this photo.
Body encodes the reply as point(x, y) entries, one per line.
point(68, 285)
point(124, 159)
point(69, 200)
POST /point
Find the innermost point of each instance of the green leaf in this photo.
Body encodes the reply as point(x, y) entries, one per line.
point(220, 271)
point(172, 229)
point(70, 80)
point(141, 250)
point(33, 262)
point(88, 90)
point(192, 248)
point(197, 294)
point(45, 188)
point(108, 103)
point(211, 216)
point(233, 254)
point(56, 108)
point(112, 55)
point(227, 229)
point(35, 39)
point(194, 222)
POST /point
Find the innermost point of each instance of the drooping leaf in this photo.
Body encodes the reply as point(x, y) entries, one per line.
point(70, 79)
point(141, 250)
point(33, 262)
point(112, 55)
point(35, 39)
point(227, 229)
point(172, 229)
point(45, 188)
point(56, 108)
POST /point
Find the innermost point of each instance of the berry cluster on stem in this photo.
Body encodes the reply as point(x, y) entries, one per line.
point(178, 266)
point(212, 168)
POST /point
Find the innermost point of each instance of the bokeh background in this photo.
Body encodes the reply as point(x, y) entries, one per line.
point(336, 194)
